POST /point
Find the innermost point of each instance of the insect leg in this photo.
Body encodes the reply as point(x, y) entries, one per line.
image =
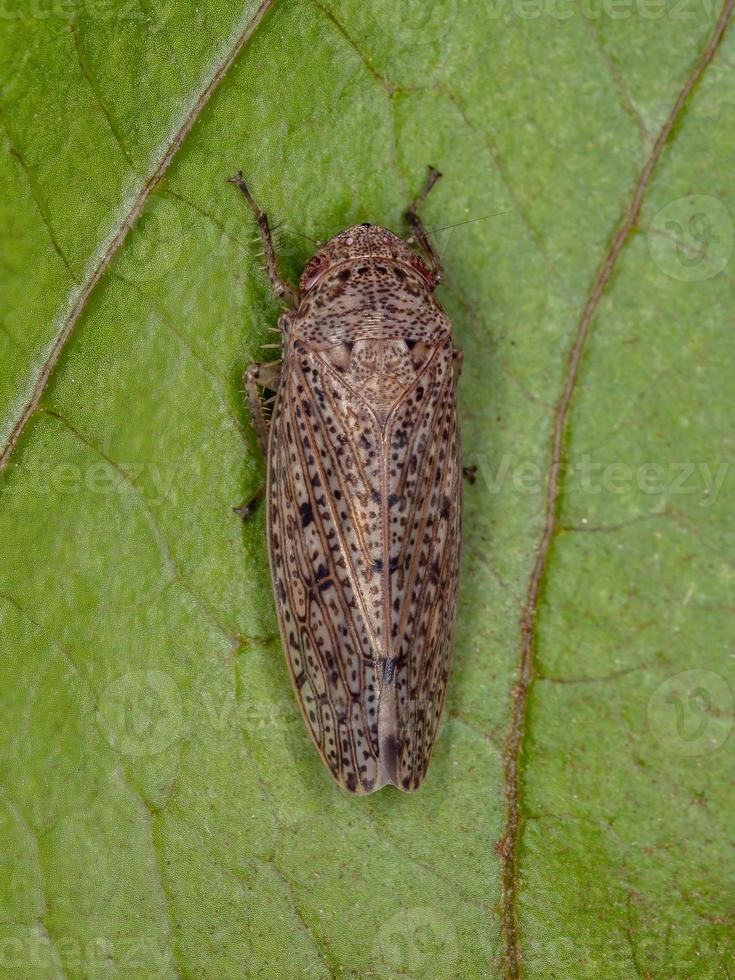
point(257, 377)
point(280, 287)
point(418, 228)
point(245, 510)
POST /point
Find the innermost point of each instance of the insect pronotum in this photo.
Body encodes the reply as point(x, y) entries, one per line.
point(364, 503)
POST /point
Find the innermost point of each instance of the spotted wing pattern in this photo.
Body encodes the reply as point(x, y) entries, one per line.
point(364, 520)
point(425, 526)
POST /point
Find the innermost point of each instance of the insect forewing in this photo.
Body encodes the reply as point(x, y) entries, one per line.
point(364, 513)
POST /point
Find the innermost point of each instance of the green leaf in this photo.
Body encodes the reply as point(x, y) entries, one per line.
point(162, 811)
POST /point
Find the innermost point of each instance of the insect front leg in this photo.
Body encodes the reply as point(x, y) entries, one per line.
point(280, 286)
point(258, 377)
point(419, 229)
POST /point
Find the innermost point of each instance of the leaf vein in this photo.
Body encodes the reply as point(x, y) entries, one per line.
point(157, 532)
point(507, 847)
point(80, 300)
point(42, 209)
point(94, 88)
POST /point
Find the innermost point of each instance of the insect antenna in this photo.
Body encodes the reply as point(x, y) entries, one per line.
point(298, 234)
point(467, 221)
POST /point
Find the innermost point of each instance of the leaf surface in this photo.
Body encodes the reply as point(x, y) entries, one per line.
point(162, 812)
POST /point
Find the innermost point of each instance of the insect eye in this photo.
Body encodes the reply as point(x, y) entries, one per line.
point(313, 270)
point(417, 263)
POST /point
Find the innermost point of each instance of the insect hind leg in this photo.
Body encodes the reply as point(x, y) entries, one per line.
point(419, 229)
point(280, 286)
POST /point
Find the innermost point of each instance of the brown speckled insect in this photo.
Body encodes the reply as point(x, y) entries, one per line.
point(364, 504)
